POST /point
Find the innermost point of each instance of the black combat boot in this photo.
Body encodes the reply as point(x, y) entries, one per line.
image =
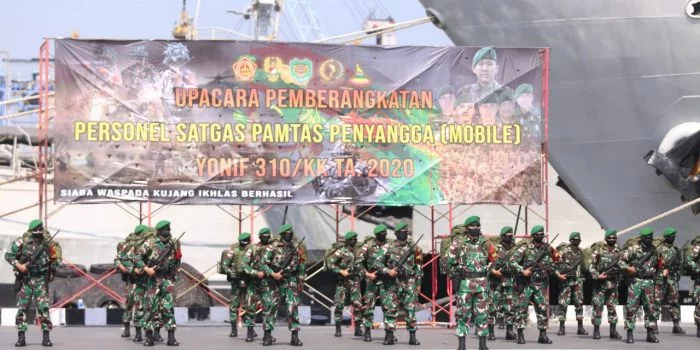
point(492, 333)
point(46, 341)
point(698, 331)
point(677, 328)
point(655, 328)
point(543, 339)
point(149, 338)
point(501, 322)
point(581, 330)
point(138, 337)
point(388, 338)
point(521, 336)
point(562, 329)
point(630, 336)
point(651, 338)
point(171, 338)
point(250, 337)
point(462, 344)
point(596, 332)
point(509, 333)
point(156, 336)
point(295, 339)
point(358, 329)
point(482, 343)
point(127, 330)
point(234, 330)
point(613, 332)
point(412, 338)
point(23, 342)
point(337, 330)
point(368, 334)
point(267, 337)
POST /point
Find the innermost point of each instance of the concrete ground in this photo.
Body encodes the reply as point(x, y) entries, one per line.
point(216, 337)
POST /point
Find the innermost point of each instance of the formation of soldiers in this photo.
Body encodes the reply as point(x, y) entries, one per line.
point(495, 280)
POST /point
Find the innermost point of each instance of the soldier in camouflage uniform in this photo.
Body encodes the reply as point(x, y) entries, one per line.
point(641, 262)
point(342, 263)
point(398, 284)
point(472, 259)
point(568, 271)
point(289, 278)
point(534, 283)
point(139, 278)
point(668, 286)
point(692, 262)
point(125, 266)
point(232, 264)
point(605, 275)
point(34, 277)
point(258, 286)
point(502, 293)
point(365, 263)
point(160, 258)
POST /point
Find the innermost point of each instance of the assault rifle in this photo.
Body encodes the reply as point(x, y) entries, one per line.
point(400, 265)
point(640, 263)
point(29, 261)
point(573, 266)
point(288, 257)
point(157, 262)
point(544, 250)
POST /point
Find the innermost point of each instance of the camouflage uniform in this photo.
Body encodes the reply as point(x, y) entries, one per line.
point(692, 262)
point(232, 264)
point(35, 281)
point(258, 286)
point(124, 258)
point(502, 301)
point(605, 260)
point(646, 260)
point(365, 263)
point(571, 289)
point(534, 288)
point(347, 287)
point(399, 289)
point(667, 287)
point(159, 300)
point(293, 276)
point(472, 259)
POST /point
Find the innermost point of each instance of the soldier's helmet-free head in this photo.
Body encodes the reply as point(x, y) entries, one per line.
point(473, 224)
point(163, 230)
point(507, 235)
point(265, 235)
point(286, 232)
point(611, 237)
point(36, 227)
point(401, 231)
point(669, 235)
point(647, 236)
point(380, 232)
point(351, 238)
point(537, 233)
point(244, 238)
point(484, 65)
point(575, 239)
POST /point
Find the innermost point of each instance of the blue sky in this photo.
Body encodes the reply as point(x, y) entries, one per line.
point(26, 22)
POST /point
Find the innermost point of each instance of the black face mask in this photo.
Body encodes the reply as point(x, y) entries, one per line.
point(244, 243)
point(507, 239)
point(474, 232)
point(287, 236)
point(402, 236)
point(575, 242)
point(265, 240)
point(669, 239)
point(352, 242)
point(646, 241)
point(538, 238)
point(164, 235)
point(381, 237)
point(611, 241)
point(38, 232)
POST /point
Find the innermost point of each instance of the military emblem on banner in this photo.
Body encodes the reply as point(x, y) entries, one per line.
point(272, 66)
point(359, 78)
point(301, 70)
point(331, 71)
point(244, 69)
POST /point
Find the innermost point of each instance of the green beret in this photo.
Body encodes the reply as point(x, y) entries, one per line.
point(490, 98)
point(244, 236)
point(350, 235)
point(446, 90)
point(162, 224)
point(140, 228)
point(609, 233)
point(537, 229)
point(486, 53)
point(506, 229)
point(472, 220)
point(523, 89)
point(35, 223)
point(400, 226)
point(464, 98)
point(264, 231)
point(646, 231)
point(669, 231)
point(285, 228)
point(505, 95)
point(573, 235)
point(379, 228)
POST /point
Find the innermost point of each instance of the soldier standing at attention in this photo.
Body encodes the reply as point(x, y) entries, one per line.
point(502, 293)
point(692, 262)
point(472, 259)
point(538, 257)
point(142, 234)
point(342, 263)
point(398, 285)
point(232, 264)
point(667, 287)
point(641, 262)
point(160, 258)
point(366, 263)
point(571, 282)
point(258, 286)
point(125, 266)
point(605, 272)
point(33, 277)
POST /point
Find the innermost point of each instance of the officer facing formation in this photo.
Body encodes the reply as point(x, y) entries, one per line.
point(605, 273)
point(34, 257)
point(342, 263)
point(571, 282)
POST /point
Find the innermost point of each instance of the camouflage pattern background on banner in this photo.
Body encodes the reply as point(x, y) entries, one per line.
point(224, 122)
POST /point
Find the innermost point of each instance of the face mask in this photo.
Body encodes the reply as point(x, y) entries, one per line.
point(265, 240)
point(647, 241)
point(381, 237)
point(538, 238)
point(287, 236)
point(575, 242)
point(611, 241)
point(352, 242)
point(669, 239)
point(402, 235)
point(164, 235)
point(244, 243)
point(474, 232)
point(37, 233)
point(507, 239)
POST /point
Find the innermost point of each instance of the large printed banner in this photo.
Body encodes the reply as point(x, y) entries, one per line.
point(223, 122)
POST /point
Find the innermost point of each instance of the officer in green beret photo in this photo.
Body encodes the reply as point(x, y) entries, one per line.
point(506, 107)
point(485, 68)
point(527, 113)
point(465, 109)
point(446, 101)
